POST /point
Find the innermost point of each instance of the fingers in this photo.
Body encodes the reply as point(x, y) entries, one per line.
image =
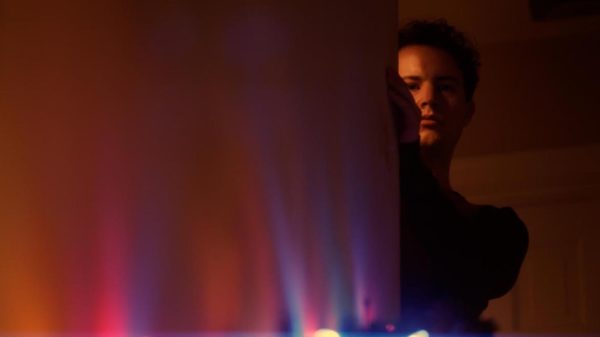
point(404, 109)
point(399, 95)
point(395, 83)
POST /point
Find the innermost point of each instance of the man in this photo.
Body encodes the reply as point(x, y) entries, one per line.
point(456, 256)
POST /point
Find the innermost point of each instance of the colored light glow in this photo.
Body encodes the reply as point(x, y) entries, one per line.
point(420, 333)
point(113, 217)
point(326, 333)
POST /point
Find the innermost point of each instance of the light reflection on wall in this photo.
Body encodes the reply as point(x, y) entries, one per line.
point(177, 166)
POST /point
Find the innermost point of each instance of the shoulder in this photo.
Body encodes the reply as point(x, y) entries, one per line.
point(505, 225)
point(501, 221)
point(506, 215)
point(479, 212)
point(490, 211)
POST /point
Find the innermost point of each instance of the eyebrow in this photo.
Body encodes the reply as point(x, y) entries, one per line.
point(414, 78)
point(448, 78)
point(438, 78)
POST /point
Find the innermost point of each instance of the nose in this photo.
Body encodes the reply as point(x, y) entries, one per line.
point(428, 98)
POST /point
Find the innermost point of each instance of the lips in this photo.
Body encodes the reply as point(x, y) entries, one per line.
point(430, 122)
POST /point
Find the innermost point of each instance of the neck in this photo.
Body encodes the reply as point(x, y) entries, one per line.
point(438, 160)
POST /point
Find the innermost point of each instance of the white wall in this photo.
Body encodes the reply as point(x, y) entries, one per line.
point(555, 192)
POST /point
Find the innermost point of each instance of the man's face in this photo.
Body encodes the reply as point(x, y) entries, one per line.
point(436, 83)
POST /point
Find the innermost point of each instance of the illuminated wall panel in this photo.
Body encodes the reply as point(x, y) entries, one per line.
point(180, 166)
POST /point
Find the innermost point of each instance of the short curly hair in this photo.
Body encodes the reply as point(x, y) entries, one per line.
point(439, 34)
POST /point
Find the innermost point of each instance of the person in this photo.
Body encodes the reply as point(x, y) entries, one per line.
point(455, 256)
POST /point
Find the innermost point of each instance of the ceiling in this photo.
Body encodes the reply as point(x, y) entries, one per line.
point(497, 21)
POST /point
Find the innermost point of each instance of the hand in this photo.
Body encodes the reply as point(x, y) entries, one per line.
point(405, 112)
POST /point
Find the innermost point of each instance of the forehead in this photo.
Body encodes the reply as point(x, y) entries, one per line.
point(427, 62)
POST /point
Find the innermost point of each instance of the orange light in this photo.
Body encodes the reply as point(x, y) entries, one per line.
point(420, 333)
point(326, 333)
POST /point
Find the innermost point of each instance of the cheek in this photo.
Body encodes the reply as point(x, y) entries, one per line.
point(457, 117)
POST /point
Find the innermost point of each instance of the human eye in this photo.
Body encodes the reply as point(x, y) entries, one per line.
point(446, 87)
point(412, 86)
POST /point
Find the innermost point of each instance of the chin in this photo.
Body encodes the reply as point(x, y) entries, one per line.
point(428, 138)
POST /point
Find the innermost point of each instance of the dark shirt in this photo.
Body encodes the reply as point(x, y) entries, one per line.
point(452, 263)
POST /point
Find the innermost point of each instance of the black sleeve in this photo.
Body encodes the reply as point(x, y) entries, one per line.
point(475, 258)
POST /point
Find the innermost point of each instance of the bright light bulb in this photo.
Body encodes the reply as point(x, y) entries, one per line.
point(420, 333)
point(326, 333)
